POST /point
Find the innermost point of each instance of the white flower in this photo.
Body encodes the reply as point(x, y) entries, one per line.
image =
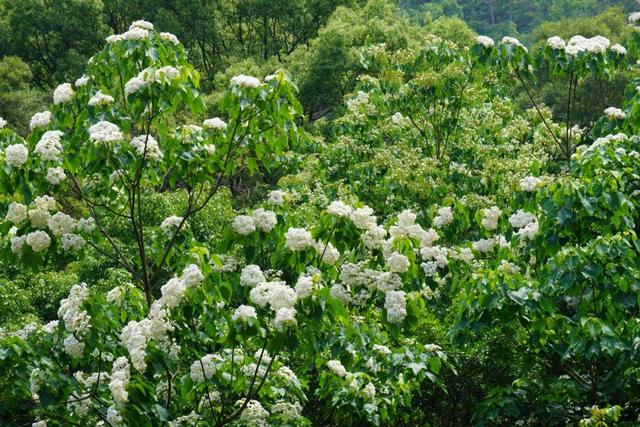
point(381, 349)
point(374, 237)
point(145, 25)
point(530, 183)
point(285, 317)
point(167, 72)
point(614, 113)
point(73, 347)
point(38, 240)
point(244, 225)
point(16, 154)
point(3, 123)
point(17, 243)
point(44, 202)
point(339, 209)
point(55, 175)
point(303, 286)
point(114, 38)
point(49, 147)
point(340, 293)
point(119, 380)
point(170, 225)
point(133, 85)
point(337, 368)
point(76, 320)
point(215, 123)
point(61, 223)
point(363, 218)
point(369, 391)
point(192, 275)
point(521, 219)
point(251, 276)
point(634, 17)
point(172, 292)
point(203, 369)
point(245, 81)
point(327, 252)
point(169, 38)
point(276, 198)
point(491, 218)
point(275, 294)
point(148, 146)
point(100, 99)
point(39, 217)
point(210, 149)
point(513, 41)
point(245, 313)
point(395, 304)
point(254, 414)
point(63, 93)
point(113, 416)
point(443, 217)
point(105, 131)
point(135, 34)
point(16, 213)
point(556, 42)
point(529, 231)
point(298, 239)
point(40, 119)
point(619, 49)
point(398, 263)
point(483, 245)
point(82, 81)
point(485, 41)
point(264, 220)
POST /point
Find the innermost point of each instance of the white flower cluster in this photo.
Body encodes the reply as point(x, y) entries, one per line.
point(49, 147)
point(276, 295)
point(76, 320)
point(513, 41)
point(169, 37)
point(100, 100)
point(485, 41)
point(276, 198)
point(396, 306)
point(41, 119)
point(398, 263)
point(55, 175)
point(120, 375)
point(254, 414)
point(251, 276)
point(133, 85)
point(337, 368)
point(483, 245)
point(556, 43)
point(363, 218)
point(634, 18)
point(443, 217)
point(339, 209)
point(82, 81)
point(260, 219)
point(578, 44)
point(38, 240)
point(491, 216)
point(619, 49)
point(614, 113)
point(105, 132)
point(16, 154)
point(215, 123)
point(298, 239)
point(521, 219)
point(245, 313)
point(148, 146)
point(530, 183)
point(202, 370)
point(170, 225)
point(3, 123)
point(327, 252)
point(135, 335)
point(62, 93)
point(243, 80)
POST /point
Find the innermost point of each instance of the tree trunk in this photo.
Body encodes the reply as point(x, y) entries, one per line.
point(492, 18)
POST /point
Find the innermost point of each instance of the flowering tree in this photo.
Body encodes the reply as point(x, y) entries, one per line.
point(206, 332)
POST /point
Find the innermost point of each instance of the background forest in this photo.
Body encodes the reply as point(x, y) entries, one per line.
point(319, 212)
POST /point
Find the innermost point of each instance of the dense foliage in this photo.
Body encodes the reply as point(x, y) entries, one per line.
point(409, 225)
